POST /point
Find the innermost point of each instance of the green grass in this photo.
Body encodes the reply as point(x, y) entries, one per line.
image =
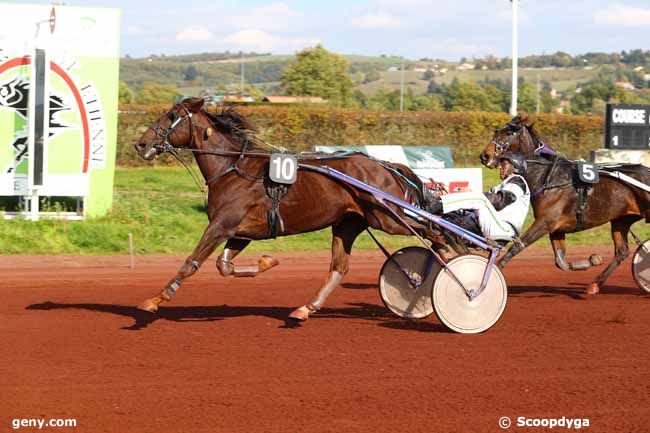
point(163, 209)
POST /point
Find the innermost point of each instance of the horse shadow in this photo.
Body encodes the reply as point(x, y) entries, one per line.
point(572, 290)
point(142, 319)
point(359, 286)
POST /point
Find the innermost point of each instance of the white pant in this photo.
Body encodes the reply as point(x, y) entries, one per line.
point(492, 226)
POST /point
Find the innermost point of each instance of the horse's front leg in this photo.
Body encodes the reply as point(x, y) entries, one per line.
point(534, 232)
point(213, 235)
point(233, 247)
point(559, 250)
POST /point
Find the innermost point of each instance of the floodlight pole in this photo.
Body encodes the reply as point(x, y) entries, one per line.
point(241, 78)
point(401, 88)
point(515, 55)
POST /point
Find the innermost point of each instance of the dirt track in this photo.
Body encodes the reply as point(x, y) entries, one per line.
point(220, 358)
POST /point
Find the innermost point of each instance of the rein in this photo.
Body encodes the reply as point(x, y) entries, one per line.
point(549, 173)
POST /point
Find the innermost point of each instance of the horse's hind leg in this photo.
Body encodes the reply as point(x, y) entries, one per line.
point(233, 247)
point(620, 229)
point(343, 236)
point(213, 235)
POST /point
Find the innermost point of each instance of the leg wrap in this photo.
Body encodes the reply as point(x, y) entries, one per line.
point(512, 251)
point(326, 290)
point(227, 268)
point(560, 261)
point(224, 263)
point(171, 289)
point(582, 265)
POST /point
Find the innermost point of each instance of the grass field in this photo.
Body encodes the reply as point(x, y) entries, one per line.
point(163, 209)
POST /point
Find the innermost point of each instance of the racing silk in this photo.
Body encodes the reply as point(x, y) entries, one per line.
point(511, 199)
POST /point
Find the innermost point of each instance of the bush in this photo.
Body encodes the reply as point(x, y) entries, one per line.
point(299, 128)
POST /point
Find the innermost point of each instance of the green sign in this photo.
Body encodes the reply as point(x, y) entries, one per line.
point(59, 69)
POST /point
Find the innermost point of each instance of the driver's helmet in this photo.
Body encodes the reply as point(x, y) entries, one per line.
point(517, 160)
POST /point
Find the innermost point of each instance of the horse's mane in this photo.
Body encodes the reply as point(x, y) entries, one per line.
point(523, 121)
point(533, 134)
point(232, 122)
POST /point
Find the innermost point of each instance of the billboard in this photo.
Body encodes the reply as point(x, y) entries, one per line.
point(59, 69)
point(627, 127)
point(430, 163)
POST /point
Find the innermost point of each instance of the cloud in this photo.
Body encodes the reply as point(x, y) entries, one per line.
point(621, 15)
point(376, 21)
point(193, 34)
point(261, 41)
point(271, 17)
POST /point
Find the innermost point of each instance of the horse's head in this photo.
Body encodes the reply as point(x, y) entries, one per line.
point(174, 129)
point(516, 136)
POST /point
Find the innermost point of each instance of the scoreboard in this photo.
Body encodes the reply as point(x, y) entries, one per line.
point(627, 127)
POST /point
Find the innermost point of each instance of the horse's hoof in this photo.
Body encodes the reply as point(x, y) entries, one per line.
point(267, 262)
point(592, 289)
point(595, 260)
point(300, 314)
point(149, 305)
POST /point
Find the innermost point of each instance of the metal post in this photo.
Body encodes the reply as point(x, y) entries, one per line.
point(401, 89)
point(539, 89)
point(131, 262)
point(515, 55)
point(241, 81)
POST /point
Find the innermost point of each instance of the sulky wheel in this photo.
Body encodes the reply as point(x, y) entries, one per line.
point(641, 266)
point(405, 282)
point(454, 308)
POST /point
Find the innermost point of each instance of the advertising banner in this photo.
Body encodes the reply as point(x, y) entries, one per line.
point(430, 163)
point(59, 69)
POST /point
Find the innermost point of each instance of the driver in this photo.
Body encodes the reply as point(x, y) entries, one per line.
point(499, 213)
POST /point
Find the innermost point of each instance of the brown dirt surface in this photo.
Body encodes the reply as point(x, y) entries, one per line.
point(220, 357)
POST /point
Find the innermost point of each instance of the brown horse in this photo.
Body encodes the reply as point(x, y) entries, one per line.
point(562, 203)
point(244, 205)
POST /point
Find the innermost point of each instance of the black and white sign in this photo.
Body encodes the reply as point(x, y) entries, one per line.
point(283, 168)
point(588, 173)
point(627, 127)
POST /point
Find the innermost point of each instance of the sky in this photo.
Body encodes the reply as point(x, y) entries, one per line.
point(414, 29)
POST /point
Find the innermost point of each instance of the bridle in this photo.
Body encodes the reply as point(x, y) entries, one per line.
point(164, 133)
point(164, 146)
point(502, 146)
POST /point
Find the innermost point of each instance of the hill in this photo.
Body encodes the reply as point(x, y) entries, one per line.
point(196, 72)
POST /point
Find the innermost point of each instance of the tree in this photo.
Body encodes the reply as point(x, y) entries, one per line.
point(126, 95)
point(372, 75)
point(469, 97)
point(428, 75)
point(191, 73)
point(154, 93)
point(318, 72)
